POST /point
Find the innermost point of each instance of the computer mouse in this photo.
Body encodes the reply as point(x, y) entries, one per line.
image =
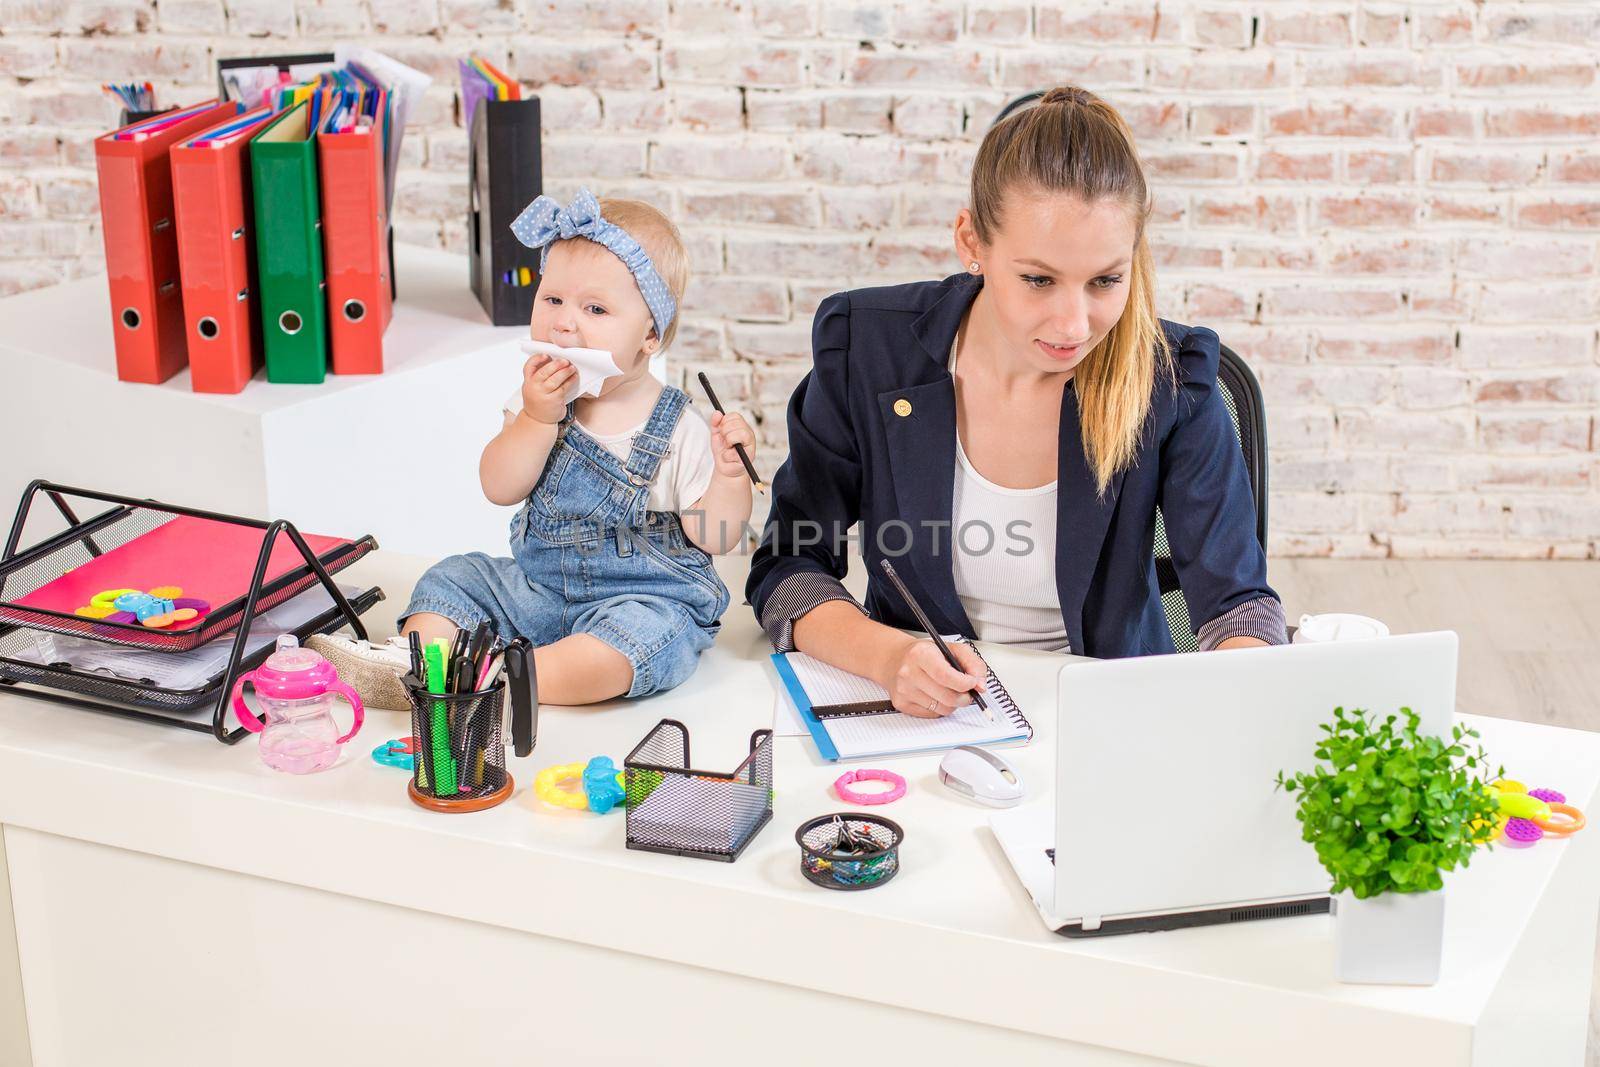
point(981, 775)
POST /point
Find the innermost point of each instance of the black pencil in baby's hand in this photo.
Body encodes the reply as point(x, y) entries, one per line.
point(744, 457)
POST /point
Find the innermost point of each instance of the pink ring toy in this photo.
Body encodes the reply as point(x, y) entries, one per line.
point(896, 790)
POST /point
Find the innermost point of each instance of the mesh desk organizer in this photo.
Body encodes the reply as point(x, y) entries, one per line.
point(460, 750)
point(242, 567)
point(682, 812)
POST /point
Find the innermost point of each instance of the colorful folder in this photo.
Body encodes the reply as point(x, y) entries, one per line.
point(480, 81)
point(136, 220)
point(294, 326)
point(355, 226)
point(216, 252)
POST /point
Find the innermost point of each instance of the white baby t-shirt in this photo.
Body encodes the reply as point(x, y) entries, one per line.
point(685, 471)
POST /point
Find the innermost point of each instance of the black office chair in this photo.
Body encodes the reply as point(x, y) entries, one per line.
point(1242, 394)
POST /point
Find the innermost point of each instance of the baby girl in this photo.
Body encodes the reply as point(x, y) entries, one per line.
point(625, 493)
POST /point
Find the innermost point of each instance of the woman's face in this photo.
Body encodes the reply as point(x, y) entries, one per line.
point(1055, 276)
point(588, 299)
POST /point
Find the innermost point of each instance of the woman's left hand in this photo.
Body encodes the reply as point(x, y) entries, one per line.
point(728, 430)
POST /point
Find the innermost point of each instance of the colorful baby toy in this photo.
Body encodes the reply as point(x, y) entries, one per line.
point(163, 606)
point(896, 790)
point(595, 786)
point(1528, 815)
point(400, 752)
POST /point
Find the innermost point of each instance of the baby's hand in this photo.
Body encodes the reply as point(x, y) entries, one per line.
point(544, 384)
point(726, 431)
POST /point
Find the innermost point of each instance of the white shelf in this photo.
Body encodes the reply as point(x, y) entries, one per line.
point(394, 455)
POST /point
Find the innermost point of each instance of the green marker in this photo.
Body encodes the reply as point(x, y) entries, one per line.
point(444, 767)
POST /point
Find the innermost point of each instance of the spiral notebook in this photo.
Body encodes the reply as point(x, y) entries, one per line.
point(850, 717)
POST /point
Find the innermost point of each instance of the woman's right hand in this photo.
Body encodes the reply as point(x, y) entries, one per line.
point(544, 386)
point(921, 683)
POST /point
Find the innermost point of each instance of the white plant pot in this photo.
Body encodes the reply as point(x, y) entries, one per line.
point(1389, 939)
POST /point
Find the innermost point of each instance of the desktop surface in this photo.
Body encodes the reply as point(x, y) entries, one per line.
point(1223, 993)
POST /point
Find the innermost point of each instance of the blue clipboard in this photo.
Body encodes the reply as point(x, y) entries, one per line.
point(797, 693)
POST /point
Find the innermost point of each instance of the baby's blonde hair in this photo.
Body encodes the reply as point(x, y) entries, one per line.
point(662, 241)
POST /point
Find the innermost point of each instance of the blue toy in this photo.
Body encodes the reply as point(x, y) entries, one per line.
point(143, 605)
point(601, 786)
point(397, 753)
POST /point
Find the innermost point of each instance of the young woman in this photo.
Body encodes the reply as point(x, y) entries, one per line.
point(1005, 435)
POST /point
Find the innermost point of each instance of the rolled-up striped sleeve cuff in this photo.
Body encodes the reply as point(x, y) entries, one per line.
point(1261, 617)
point(794, 596)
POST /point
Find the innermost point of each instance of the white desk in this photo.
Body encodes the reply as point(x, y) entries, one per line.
point(393, 454)
point(177, 902)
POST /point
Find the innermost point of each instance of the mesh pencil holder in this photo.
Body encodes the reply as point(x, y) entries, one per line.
point(849, 850)
point(683, 812)
point(461, 754)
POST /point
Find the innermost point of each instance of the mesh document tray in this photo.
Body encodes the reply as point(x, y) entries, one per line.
point(241, 567)
point(683, 812)
point(133, 545)
point(145, 693)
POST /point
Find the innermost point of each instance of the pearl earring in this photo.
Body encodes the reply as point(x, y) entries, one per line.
point(973, 266)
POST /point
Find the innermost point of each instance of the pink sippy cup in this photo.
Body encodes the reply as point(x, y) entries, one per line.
point(295, 688)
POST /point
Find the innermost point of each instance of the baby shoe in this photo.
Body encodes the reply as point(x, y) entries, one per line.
point(373, 671)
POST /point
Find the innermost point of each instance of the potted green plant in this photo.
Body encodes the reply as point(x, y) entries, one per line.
point(1390, 812)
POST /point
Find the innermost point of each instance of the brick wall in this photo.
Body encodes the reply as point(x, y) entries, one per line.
point(1391, 210)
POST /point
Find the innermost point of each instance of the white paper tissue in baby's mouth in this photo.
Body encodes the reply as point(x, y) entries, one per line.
point(593, 365)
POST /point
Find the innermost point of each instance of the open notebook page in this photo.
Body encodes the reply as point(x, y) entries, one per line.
point(828, 685)
point(890, 733)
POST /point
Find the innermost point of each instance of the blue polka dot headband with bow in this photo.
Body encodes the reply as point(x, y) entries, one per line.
point(544, 222)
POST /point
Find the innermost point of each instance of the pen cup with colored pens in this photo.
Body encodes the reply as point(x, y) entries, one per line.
point(461, 754)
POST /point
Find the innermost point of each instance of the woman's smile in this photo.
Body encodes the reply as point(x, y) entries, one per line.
point(1059, 352)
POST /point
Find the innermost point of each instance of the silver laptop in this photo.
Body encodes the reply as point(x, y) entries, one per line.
point(1165, 812)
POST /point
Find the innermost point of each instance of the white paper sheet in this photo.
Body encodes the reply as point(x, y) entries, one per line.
point(593, 365)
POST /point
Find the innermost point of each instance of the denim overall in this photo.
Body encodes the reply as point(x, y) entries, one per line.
point(590, 558)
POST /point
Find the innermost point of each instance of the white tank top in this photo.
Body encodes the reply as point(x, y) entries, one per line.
point(1003, 545)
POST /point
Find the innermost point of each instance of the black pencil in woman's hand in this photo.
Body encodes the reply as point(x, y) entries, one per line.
point(927, 624)
point(744, 457)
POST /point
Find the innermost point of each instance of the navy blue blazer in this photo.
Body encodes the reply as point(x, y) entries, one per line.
point(852, 457)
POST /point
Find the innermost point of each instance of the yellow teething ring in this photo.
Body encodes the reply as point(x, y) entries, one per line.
point(1573, 821)
point(107, 597)
point(549, 785)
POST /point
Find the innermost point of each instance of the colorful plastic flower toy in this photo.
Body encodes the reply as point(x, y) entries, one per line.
point(161, 607)
point(1527, 815)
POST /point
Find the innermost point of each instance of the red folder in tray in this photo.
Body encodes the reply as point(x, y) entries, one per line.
point(209, 560)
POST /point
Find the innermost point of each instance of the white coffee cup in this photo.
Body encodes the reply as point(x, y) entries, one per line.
point(1336, 626)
